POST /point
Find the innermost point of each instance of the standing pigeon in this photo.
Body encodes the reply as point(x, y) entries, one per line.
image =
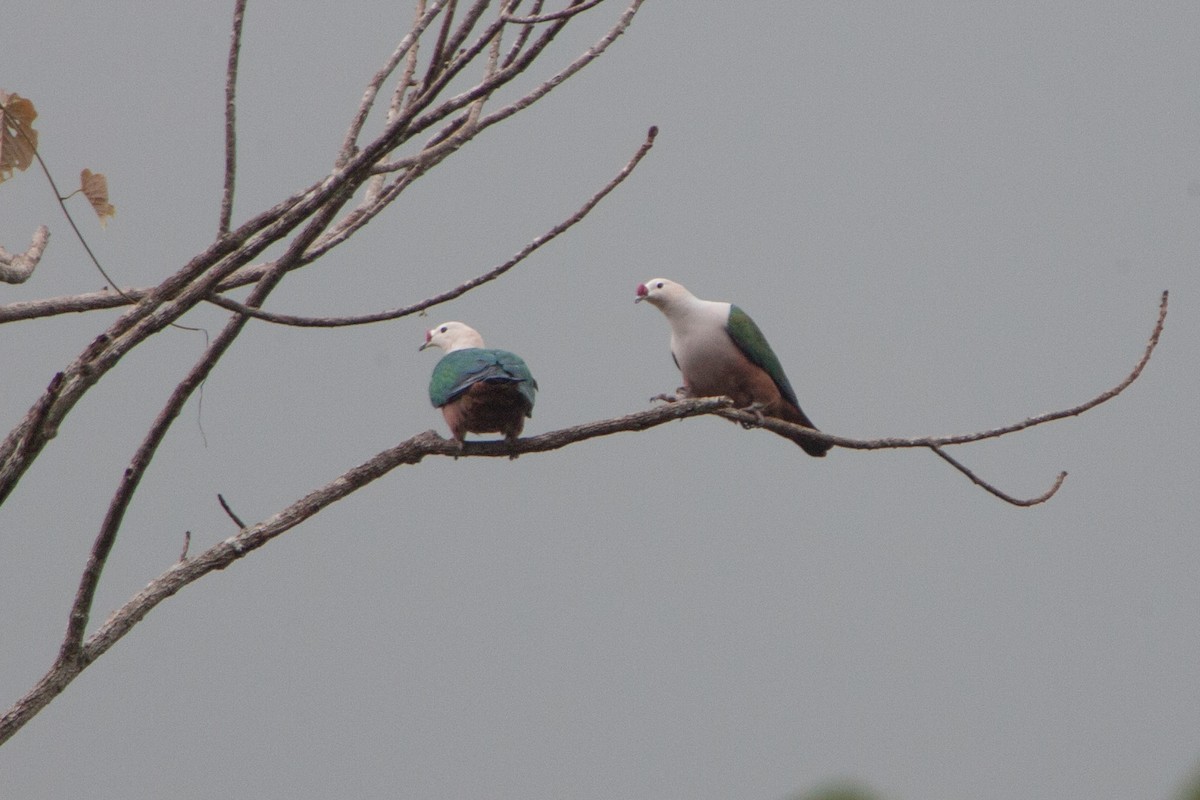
point(720, 351)
point(479, 390)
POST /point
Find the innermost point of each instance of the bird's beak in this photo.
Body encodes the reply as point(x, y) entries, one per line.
point(427, 342)
point(642, 293)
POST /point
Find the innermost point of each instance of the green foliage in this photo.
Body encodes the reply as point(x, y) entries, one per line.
point(1191, 787)
point(840, 790)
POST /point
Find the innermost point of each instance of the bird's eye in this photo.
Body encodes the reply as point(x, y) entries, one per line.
point(659, 285)
point(443, 329)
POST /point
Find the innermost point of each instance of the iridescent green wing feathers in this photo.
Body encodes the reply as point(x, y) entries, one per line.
point(750, 340)
point(458, 371)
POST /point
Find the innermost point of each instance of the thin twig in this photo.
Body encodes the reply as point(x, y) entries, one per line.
point(570, 11)
point(935, 443)
point(61, 198)
point(464, 130)
point(231, 71)
point(71, 220)
point(78, 303)
point(236, 519)
point(130, 479)
point(523, 34)
point(490, 275)
point(395, 109)
point(439, 47)
point(406, 82)
point(454, 46)
point(407, 46)
point(1008, 498)
point(942, 441)
point(509, 72)
point(187, 542)
point(227, 255)
point(579, 63)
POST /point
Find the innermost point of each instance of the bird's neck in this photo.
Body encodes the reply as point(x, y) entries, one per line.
point(692, 311)
point(465, 343)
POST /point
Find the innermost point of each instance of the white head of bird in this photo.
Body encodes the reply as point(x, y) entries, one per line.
point(663, 293)
point(451, 336)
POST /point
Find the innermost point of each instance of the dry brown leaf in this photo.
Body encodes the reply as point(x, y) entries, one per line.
point(95, 188)
point(18, 139)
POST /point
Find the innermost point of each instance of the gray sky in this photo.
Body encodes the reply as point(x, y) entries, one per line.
point(944, 217)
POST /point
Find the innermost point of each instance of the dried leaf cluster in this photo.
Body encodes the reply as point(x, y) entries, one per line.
point(19, 149)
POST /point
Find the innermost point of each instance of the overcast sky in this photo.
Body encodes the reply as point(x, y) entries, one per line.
point(944, 216)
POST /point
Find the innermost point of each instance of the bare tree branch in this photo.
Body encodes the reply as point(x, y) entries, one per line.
point(1008, 498)
point(73, 304)
point(74, 659)
point(395, 108)
point(439, 46)
point(579, 63)
point(132, 476)
point(62, 204)
point(158, 309)
point(231, 70)
point(936, 443)
point(77, 654)
point(407, 46)
point(463, 288)
point(178, 294)
point(225, 247)
point(570, 11)
point(271, 225)
point(503, 76)
point(966, 438)
point(18, 268)
point(523, 35)
point(236, 519)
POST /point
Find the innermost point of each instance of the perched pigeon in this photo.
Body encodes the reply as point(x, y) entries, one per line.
point(720, 351)
point(479, 390)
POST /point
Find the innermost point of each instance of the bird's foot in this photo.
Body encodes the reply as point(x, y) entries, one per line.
point(459, 446)
point(756, 410)
point(682, 393)
point(512, 448)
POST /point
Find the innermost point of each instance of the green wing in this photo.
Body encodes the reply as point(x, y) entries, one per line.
point(750, 340)
point(458, 371)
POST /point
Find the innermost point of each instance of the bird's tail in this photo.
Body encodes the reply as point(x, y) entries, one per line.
point(812, 446)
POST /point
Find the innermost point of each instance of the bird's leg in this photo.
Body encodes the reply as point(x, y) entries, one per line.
point(756, 410)
point(459, 446)
point(512, 447)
